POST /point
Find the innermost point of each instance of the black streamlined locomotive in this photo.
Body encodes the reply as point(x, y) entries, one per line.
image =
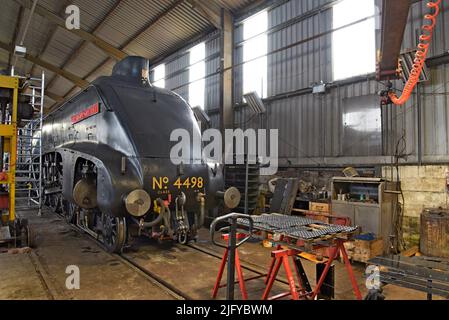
point(107, 166)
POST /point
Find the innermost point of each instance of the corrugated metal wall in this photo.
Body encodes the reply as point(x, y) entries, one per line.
point(177, 73)
point(311, 127)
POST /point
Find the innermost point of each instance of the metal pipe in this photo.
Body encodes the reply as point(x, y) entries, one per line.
point(419, 107)
point(231, 259)
point(146, 225)
point(41, 122)
point(246, 183)
point(200, 221)
point(25, 31)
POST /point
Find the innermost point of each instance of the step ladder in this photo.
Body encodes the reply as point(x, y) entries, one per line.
point(29, 150)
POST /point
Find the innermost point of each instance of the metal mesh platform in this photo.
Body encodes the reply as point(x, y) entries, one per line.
point(296, 227)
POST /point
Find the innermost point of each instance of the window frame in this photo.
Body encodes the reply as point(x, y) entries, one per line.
point(335, 34)
point(255, 61)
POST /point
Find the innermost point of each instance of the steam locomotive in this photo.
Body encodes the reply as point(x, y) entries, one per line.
point(107, 166)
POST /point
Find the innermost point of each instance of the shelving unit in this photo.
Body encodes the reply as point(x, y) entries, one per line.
point(367, 205)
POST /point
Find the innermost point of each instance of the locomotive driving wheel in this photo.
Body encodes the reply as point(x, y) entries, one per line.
point(69, 211)
point(52, 202)
point(114, 233)
point(57, 203)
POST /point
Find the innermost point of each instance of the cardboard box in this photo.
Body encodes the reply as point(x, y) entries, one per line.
point(319, 207)
point(363, 250)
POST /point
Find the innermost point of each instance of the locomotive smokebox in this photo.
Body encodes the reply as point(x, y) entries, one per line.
point(133, 67)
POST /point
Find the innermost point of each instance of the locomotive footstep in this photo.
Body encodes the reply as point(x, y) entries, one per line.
point(115, 263)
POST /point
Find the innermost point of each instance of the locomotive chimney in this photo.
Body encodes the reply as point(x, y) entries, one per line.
point(133, 68)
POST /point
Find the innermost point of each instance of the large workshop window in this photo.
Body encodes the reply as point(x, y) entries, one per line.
point(197, 73)
point(255, 49)
point(353, 47)
point(159, 76)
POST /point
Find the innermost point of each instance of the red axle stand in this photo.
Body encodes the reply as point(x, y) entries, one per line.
point(281, 257)
point(238, 267)
point(339, 248)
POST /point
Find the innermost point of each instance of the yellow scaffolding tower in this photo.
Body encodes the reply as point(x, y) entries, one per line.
point(8, 131)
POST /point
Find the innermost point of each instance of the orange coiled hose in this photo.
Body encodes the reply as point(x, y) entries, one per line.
point(421, 55)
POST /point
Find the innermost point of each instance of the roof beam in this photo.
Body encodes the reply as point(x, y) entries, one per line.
point(112, 51)
point(49, 38)
point(63, 73)
point(145, 28)
point(15, 35)
point(394, 20)
point(209, 10)
point(84, 44)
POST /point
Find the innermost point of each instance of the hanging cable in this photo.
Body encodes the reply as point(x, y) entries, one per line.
point(421, 54)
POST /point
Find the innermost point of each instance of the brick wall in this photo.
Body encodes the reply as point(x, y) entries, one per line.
point(423, 187)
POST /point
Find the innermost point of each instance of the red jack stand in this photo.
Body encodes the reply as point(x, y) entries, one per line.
point(281, 257)
point(238, 267)
point(338, 249)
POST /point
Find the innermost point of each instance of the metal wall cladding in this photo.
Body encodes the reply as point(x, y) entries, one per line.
point(213, 80)
point(177, 71)
point(177, 74)
point(311, 127)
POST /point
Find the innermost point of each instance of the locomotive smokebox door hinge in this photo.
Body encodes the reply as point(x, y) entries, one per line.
point(123, 165)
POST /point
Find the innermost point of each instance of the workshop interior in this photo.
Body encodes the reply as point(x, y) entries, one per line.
point(230, 150)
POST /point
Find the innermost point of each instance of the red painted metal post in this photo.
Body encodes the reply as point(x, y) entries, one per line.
point(240, 276)
point(270, 269)
point(355, 286)
point(220, 274)
point(325, 271)
point(290, 278)
point(300, 284)
point(273, 275)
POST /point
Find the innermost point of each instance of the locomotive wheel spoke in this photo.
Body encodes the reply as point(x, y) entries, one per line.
point(69, 211)
point(113, 232)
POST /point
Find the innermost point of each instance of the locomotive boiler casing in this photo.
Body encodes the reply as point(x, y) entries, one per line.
point(123, 127)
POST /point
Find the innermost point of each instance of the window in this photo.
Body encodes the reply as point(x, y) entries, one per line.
point(197, 73)
point(254, 68)
point(354, 47)
point(159, 76)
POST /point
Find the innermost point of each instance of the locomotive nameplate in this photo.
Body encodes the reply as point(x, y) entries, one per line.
point(163, 183)
point(86, 113)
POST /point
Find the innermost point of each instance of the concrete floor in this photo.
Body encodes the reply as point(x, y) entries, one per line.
point(40, 274)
